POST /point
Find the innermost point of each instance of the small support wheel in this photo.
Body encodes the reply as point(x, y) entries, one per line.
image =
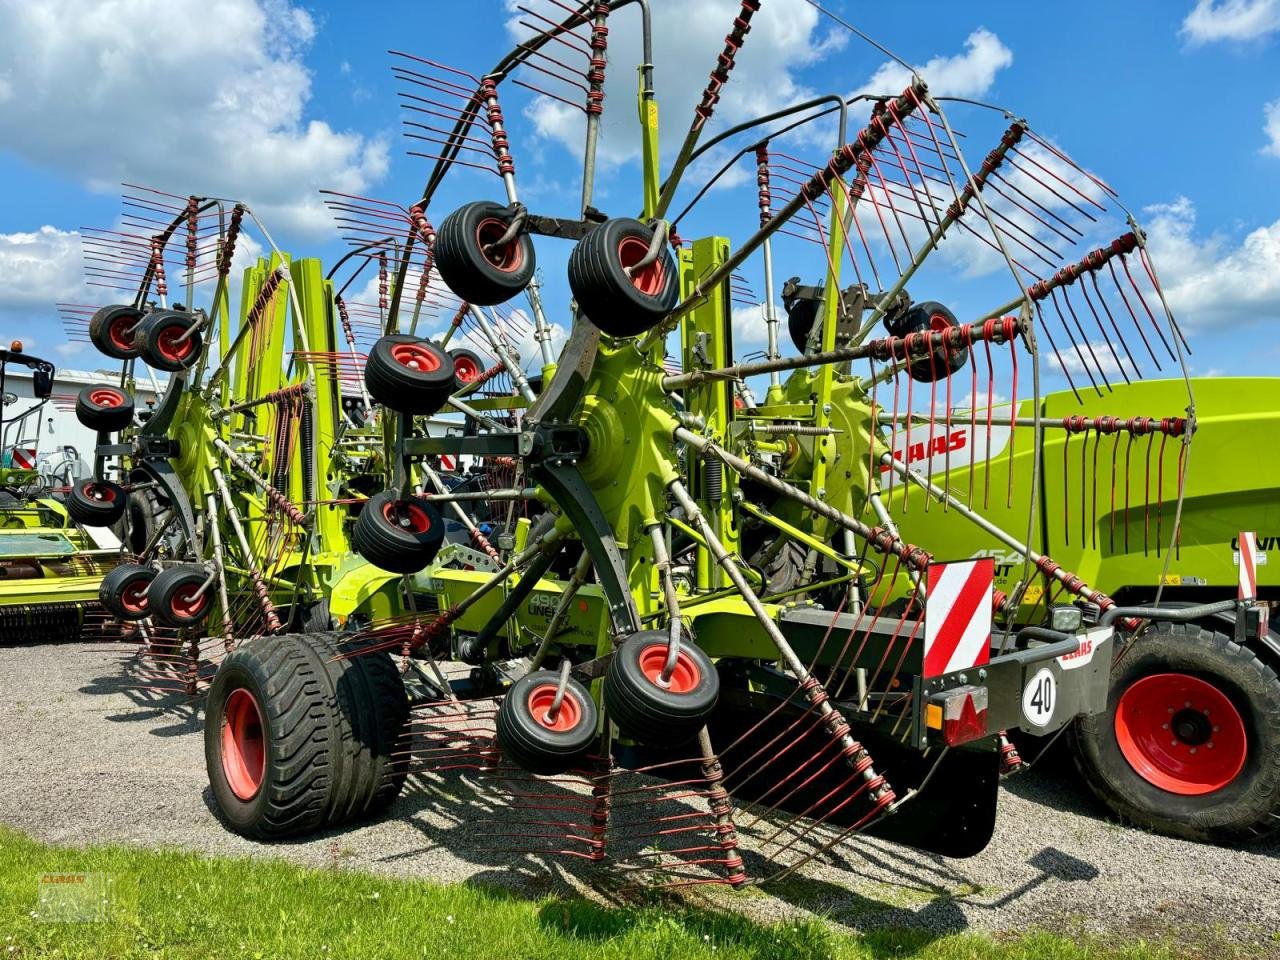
point(648, 708)
point(102, 407)
point(479, 276)
point(537, 739)
point(930, 317)
point(123, 591)
point(111, 330)
point(96, 503)
point(397, 535)
point(174, 598)
point(408, 374)
point(164, 343)
point(622, 304)
point(467, 367)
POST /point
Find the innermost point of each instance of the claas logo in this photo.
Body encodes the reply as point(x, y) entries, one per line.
point(942, 443)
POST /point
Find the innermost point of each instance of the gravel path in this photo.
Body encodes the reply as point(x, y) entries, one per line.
point(88, 759)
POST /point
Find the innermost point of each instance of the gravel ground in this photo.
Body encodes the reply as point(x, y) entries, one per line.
point(87, 758)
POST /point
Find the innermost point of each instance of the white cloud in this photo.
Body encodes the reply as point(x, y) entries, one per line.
point(1236, 20)
point(39, 268)
point(128, 90)
point(750, 329)
point(1085, 361)
point(43, 268)
point(968, 74)
point(1272, 128)
point(1212, 281)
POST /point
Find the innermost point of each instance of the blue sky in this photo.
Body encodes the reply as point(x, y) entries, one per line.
point(1175, 103)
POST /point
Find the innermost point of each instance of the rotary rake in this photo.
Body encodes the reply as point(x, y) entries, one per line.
point(656, 603)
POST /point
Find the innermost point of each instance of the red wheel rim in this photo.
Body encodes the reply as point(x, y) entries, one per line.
point(170, 347)
point(567, 717)
point(133, 595)
point(106, 397)
point(185, 604)
point(648, 280)
point(243, 744)
point(507, 258)
point(1181, 734)
point(94, 492)
point(465, 369)
point(120, 330)
point(397, 512)
point(938, 322)
point(415, 356)
point(684, 677)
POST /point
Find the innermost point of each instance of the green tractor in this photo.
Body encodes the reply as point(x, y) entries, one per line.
point(1188, 742)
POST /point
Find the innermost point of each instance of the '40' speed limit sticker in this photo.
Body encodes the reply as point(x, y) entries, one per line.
point(1039, 697)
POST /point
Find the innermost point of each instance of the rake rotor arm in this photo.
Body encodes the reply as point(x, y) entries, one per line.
point(842, 107)
point(854, 753)
point(710, 96)
point(817, 185)
point(879, 538)
point(887, 348)
point(954, 212)
point(1045, 565)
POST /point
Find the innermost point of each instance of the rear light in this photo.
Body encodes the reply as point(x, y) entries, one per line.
point(960, 714)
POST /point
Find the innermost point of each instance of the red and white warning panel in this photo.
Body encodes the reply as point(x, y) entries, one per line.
point(24, 458)
point(1248, 566)
point(957, 615)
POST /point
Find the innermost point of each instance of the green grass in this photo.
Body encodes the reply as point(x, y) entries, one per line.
point(182, 905)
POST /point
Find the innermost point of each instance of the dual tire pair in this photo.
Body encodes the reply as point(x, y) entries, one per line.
point(299, 737)
point(619, 298)
point(162, 338)
point(646, 707)
point(171, 597)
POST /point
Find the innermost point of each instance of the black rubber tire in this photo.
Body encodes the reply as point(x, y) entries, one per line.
point(614, 302)
point(373, 711)
point(169, 598)
point(95, 503)
point(123, 591)
point(526, 739)
point(467, 366)
point(648, 713)
point(801, 316)
point(421, 388)
point(930, 316)
point(1247, 807)
point(479, 278)
point(157, 341)
point(390, 546)
point(101, 406)
point(299, 734)
point(137, 527)
point(332, 732)
point(314, 618)
point(110, 330)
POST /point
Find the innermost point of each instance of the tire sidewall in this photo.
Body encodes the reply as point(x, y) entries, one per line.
point(232, 675)
point(602, 288)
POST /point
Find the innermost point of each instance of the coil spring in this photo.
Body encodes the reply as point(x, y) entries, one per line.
point(713, 479)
